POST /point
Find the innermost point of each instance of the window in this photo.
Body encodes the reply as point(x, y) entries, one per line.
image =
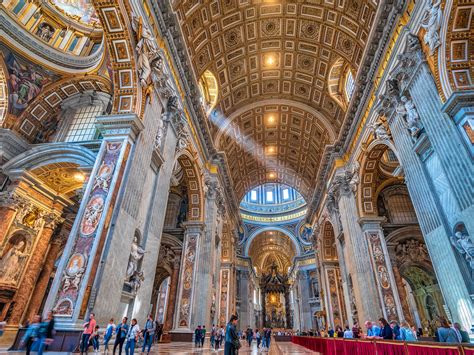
point(82, 127)
point(286, 194)
point(350, 84)
point(269, 196)
point(253, 195)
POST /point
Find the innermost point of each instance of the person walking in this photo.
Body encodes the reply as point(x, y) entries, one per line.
point(148, 334)
point(268, 337)
point(31, 337)
point(232, 342)
point(219, 337)
point(120, 335)
point(197, 336)
point(249, 334)
point(89, 327)
point(213, 336)
point(47, 333)
point(132, 337)
point(95, 339)
point(258, 337)
point(203, 335)
point(109, 331)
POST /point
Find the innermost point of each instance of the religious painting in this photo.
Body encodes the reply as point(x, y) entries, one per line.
point(13, 258)
point(187, 281)
point(64, 307)
point(92, 215)
point(80, 10)
point(112, 19)
point(25, 80)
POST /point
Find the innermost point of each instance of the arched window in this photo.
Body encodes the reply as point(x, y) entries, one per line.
point(209, 90)
point(78, 117)
point(349, 85)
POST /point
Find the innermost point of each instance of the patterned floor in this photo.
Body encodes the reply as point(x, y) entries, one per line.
point(189, 349)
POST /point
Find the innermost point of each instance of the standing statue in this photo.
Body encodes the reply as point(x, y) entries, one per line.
point(432, 24)
point(11, 262)
point(135, 256)
point(380, 130)
point(407, 110)
point(465, 246)
point(146, 48)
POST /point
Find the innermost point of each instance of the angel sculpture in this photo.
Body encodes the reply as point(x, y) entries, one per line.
point(380, 131)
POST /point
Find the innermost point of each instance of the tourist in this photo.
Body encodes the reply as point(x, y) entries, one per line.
point(148, 334)
point(348, 333)
point(30, 339)
point(385, 330)
point(232, 342)
point(203, 335)
point(132, 337)
point(463, 336)
point(258, 337)
point(95, 339)
point(159, 331)
point(268, 337)
point(109, 331)
point(89, 327)
point(264, 340)
point(446, 334)
point(330, 332)
point(356, 330)
point(219, 337)
point(46, 333)
point(339, 333)
point(197, 336)
point(121, 334)
point(395, 329)
point(372, 330)
point(406, 333)
point(249, 334)
point(213, 336)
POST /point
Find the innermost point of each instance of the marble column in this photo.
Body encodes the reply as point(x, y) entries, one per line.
point(188, 291)
point(205, 279)
point(170, 310)
point(403, 295)
point(382, 268)
point(72, 287)
point(357, 257)
point(42, 284)
point(33, 269)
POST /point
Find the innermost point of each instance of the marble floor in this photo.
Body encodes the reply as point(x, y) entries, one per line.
point(189, 349)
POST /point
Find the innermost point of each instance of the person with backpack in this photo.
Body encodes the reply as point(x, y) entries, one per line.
point(109, 331)
point(148, 333)
point(132, 338)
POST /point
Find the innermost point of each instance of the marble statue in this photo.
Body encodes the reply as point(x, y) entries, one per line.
point(465, 246)
point(135, 256)
point(11, 262)
point(380, 131)
point(146, 49)
point(407, 110)
point(432, 24)
point(159, 133)
point(136, 280)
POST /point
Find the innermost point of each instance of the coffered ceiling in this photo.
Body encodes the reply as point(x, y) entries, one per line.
point(272, 247)
point(274, 50)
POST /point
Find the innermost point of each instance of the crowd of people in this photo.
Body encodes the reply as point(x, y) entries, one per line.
point(126, 334)
point(446, 333)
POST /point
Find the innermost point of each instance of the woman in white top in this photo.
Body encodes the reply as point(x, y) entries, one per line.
point(348, 333)
point(132, 337)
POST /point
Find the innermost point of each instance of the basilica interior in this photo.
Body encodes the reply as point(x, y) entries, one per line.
point(302, 164)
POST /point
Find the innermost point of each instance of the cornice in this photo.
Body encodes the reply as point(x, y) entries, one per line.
point(384, 24)
point(170, 30)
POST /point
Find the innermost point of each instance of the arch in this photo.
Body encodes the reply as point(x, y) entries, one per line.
point(193, 179)
point(209, 90)
point(337, 80)
point(367, 190)
point(225, 122)
point(47, 105)
point(271, 228)
point(49, 154)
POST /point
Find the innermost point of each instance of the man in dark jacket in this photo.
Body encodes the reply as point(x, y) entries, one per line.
point(120, 334)
point(232, 342)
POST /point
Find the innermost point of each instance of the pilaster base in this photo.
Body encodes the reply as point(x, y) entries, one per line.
point(182, 335)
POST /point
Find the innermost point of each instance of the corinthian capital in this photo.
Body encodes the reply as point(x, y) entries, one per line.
point(51, 220)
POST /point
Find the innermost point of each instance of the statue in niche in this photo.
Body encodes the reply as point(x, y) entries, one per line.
point(135, 256)
point(464, 245)
point(183, 210)
point(12, 261)
point(432, 24)
point(407, 110)
point(381, 130)
point(146, 49)
point(45, 31)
